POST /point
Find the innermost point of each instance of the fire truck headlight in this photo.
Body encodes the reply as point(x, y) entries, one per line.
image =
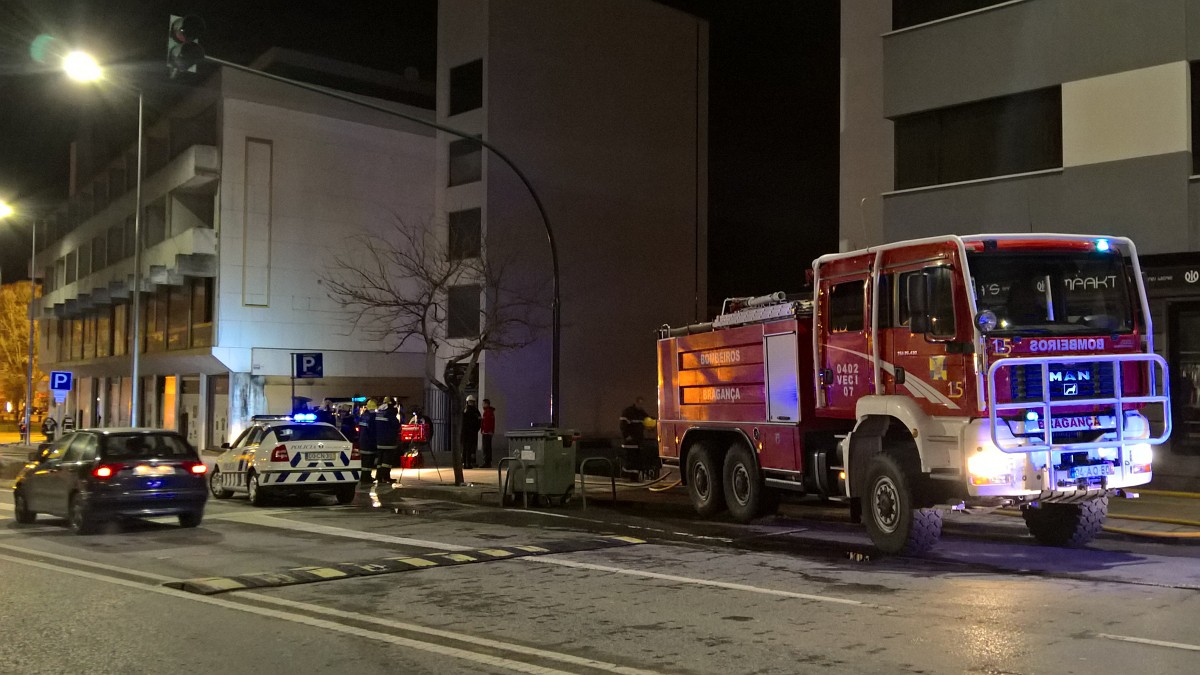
point(1141, 457)
point(989, 466)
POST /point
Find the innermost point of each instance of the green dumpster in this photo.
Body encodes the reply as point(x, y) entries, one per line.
point(541, 464)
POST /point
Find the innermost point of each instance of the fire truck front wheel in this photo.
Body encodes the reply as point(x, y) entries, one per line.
point(745, 493)
point(704, 481)
point(893, 521)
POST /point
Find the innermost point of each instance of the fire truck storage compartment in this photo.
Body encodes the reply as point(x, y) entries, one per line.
point(541, 463)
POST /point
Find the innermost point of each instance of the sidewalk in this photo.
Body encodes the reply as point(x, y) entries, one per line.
point(1159, 515)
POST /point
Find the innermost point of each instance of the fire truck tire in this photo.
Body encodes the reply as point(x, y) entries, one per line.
point(893, 521)
point(704, 481)
point(1067, 525)
point(744, 488)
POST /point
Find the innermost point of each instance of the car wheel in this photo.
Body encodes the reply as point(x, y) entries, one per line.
point(21, 511)
point(214, 485)
point(80, 521)
point(345, 495)
point(256, 495)
point(704, 481)
point(191, 519)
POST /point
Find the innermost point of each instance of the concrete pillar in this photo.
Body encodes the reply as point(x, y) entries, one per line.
point(247, 398)
point(102, 406)
point(203, 420)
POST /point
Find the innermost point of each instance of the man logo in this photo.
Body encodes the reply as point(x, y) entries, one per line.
point(1071, 390)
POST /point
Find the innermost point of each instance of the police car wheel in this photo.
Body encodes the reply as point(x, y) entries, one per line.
point(256, 495)
point(345, 495)
point(214, 485)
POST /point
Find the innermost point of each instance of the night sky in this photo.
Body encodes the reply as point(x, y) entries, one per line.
point(773, 92)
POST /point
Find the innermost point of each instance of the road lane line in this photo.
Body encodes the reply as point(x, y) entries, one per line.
point(701, 582)
point(268, 521)
point(90, 563)
point(300, 526)
point(442, 650)
point(1148, 641)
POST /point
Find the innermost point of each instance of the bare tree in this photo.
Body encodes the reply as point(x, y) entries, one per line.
point(398, 288)
point(14, 341)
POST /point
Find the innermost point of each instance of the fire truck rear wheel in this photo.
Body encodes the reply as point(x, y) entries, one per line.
point(893, 522)
point(744, 488)
point(1068, 525)
point(704, 481)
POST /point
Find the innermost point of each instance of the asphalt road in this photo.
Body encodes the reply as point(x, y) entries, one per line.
point(790, 595)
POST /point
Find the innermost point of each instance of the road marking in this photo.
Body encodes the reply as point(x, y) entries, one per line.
point(444, 650)
point(1147, 641)
point(89, 563)
point(355, 534)
point(701, 582)
point(300, 526)
point(25, 529)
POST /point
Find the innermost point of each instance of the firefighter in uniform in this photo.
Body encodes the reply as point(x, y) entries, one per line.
point(387, 438)
point(366, 440)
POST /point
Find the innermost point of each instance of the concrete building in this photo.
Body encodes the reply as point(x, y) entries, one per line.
point(248, 184)
point(970, 116)
point(602, 104)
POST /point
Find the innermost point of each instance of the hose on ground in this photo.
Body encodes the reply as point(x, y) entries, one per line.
point(1141, 533)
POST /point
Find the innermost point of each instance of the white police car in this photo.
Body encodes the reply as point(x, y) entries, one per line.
point(279, 454)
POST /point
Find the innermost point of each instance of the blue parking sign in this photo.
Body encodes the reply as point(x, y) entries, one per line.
point(308, 366)
point(60, 380)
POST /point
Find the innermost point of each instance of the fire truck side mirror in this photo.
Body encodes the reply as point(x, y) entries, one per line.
point(918, 307)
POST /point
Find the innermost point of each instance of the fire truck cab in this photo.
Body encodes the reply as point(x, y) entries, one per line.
point(991, 370)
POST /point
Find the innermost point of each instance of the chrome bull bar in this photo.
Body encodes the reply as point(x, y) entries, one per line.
point(1158, 394)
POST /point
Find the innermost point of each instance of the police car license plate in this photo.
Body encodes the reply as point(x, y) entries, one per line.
point(1091, 471)
point(316, 456)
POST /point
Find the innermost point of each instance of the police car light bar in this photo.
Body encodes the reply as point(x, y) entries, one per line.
point(304, 417)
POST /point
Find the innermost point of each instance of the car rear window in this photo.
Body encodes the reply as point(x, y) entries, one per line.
point(146, 446)
point(307, 432)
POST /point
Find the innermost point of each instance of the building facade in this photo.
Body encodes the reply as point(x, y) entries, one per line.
point(248, 186)
point(603, 105)
point(1076, 116)
point(251, 187)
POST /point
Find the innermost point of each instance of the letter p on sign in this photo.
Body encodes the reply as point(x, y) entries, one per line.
point(60, 380)
point(310, 365)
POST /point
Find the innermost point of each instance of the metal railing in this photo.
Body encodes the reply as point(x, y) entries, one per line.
point(1046, 404)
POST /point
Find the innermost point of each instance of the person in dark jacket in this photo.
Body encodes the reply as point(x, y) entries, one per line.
point(488, 429)
point(387, 438)
point(366, 440)
point(471, 422)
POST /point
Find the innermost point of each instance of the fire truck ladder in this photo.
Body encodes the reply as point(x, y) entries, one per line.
point(742, 311)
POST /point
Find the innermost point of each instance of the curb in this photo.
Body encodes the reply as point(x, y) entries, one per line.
point(1171, 493)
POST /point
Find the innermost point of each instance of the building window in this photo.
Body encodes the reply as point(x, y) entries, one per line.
point(155, 320)
point(76, 339)
point(116, 243)
point(72, 266)
point(99, 251)
point(846, 307)
point(89, 337)
point(179, 303)
point(466, 87)
point(48, 280)
point(997, 137)
point(202, 312)
point(907, 13)
point(465, 234)
point(466, 161)
point(1195, 68)
point(462, 312)
point(104, 335)
point(120, 330)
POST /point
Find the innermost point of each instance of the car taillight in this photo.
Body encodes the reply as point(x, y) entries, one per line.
point(354, 454)
point(198, 468)
point(105, 471)
point(279, 454)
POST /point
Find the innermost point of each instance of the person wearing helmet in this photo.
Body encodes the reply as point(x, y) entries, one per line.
point(387, 439)
point(470, 432)
point(366, 440)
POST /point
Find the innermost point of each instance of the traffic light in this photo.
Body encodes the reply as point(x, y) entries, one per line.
point(183, 45)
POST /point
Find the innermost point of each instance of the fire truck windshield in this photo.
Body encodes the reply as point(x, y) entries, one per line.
point(1053, 293)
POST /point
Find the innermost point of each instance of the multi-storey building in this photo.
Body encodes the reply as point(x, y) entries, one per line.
point(968, 116)
point(250, 185)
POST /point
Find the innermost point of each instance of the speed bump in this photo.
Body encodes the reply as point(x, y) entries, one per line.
point(349, 570)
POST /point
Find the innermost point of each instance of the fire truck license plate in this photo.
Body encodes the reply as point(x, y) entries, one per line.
point(1091, 471)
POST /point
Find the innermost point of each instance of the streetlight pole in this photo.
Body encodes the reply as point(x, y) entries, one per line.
point(82, 67)
point(136, 296)
point(29, 366)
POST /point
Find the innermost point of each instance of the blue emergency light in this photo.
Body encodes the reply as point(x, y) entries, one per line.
point(304, 417)
point(1103, 245)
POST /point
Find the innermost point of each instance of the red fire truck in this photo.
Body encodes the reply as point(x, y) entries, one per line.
point(927, 375)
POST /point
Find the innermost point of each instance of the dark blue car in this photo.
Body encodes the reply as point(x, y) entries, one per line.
point(97, 475)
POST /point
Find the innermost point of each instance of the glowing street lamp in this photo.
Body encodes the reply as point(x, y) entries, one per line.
point(82, 67)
